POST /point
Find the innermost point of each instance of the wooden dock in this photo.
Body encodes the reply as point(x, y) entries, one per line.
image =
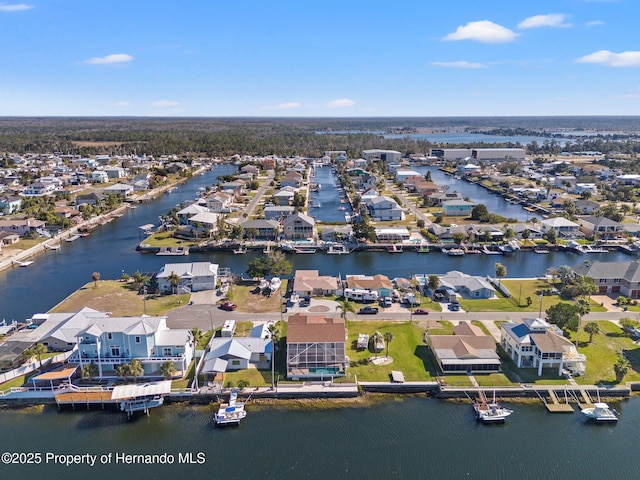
point(87, 399)
point(555, 406)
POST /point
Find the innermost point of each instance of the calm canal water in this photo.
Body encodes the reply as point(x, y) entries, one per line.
point(110, 249)
point(406, 438)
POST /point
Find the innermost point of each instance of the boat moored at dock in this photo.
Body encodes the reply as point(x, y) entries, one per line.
point(231, 413)
point(600, 412)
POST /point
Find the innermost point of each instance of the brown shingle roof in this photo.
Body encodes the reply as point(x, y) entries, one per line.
point(315, 329)
point(548, 342)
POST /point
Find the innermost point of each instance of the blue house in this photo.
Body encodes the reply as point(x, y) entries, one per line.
point(10, 203)
point(457, 208)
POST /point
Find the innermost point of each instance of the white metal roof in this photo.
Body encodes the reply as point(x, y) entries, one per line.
point(141, 390)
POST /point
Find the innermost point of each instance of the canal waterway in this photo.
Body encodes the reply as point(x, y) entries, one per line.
point(403, 438)
point(110, 250)
point(328, 197)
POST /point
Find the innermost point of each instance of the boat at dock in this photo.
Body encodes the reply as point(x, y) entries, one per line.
point(72, 238)
point(600, 412)
point(487, 251)
point(173, 251)
point(231, 413)
point(52, 247)
point(453, 252)
point(423, 249)
point(263, 284)
point(240, 250)
point(304, 250)
point(577, 247)
point(394, 249)
point(22, 264)
point(490, 412)
point(337, 249)
point(541, 250)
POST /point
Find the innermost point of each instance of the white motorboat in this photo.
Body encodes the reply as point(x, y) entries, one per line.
point(490, 412)
point(394, 249)
point(263, 284)
point(224, 288)
point(337, 249)
point(231, 413)
point(141, 404)
point(600, 412)
point(453, 252)
point(274, 284)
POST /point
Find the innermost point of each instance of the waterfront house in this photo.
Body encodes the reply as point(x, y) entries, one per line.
point(99, 176)
point(189, 211)
point(534, 343)
point(266, 229)
point(92, 198)
point(176, 167)
point(10, 204)
point(194, 277)
point(308, 283)
point(613, 278)
point(467, 350)
point(219, 202)
point(316, 347)
point(7, 238)
point(392, 234)
point(22, 227)
point(457, 208)
point(425, 189)
point(437, 199)
point(403, 174)
point(235, 187)
point(382, 208)
point(237, 353)
point(534, 233)
point(601, 228)
point(121, 189)
point(109, 342)
point(447, 233)
point(564, 228)
point(204, 221)
point(468, 169)
point(250, 169)
point(467, 286)
point(336, 233)
point(375, 283)
point(278, 212)
point(299, 227)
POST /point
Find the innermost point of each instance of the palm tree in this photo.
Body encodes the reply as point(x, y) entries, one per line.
point(592, 328)
point(621, 367)
point(582, 308)
point(174, 280)
point(122, 370)
point(167, 369)
point(388, 337)
point(274, 330)
point(501, 271)
point(89, 370)
point(135, 368)
point(346, 306)
point(95, 276)
point(376, 338)
point(196, 336)
point(36, 350)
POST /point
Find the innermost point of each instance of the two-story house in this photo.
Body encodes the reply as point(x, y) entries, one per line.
point(299, 227)
point(382, 208)
point(191, 277)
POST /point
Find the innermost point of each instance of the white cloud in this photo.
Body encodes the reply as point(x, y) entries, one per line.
point(341, 103)
point(15, 7)
point(550, 20)
point(122, 103)
point(459, 64)
point(288, 105)
point(605, 57)
point(594, 23)
point(483, 31)
point(109, 59)
point(164, 104)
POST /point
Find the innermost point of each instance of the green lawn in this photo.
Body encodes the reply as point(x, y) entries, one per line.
point(249, 301)
point(165, 239)
point(519, 290)
point(410, 354)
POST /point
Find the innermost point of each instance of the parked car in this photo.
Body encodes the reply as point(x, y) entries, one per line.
point(228, 306)
point(386, 302)
point(420, 311)
point(454, 306)
point(368, 311)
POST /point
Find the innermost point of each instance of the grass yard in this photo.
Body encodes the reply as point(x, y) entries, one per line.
point(249, 301)
point(118, 298)
point(165, 239)
point(24, 244)
point(518, 300)
point(410, 354)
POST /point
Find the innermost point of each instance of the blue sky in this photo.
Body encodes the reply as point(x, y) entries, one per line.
point(326, 59)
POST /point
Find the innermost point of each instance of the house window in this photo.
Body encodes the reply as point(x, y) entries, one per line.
point(109, 336)
point(166, 352)
point(137, 340)
point(603, 280)
point(235, 363)
point(115, 351)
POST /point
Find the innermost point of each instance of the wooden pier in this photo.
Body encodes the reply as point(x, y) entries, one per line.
point(88, 399)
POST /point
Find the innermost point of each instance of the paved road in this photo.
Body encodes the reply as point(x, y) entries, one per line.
point(410, 205)
point(253, 203)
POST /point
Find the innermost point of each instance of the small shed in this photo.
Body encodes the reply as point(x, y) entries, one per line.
point(397, 376)
point(363, 341)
